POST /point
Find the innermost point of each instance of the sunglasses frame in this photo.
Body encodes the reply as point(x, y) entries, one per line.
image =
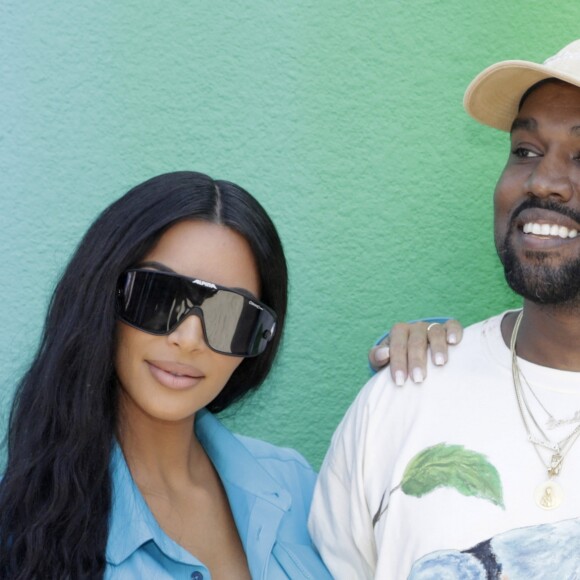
point(197, 309)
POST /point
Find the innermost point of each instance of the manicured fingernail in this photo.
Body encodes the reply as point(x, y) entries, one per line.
point(439, 359)
point(452, 338)
point(382, 354)
point(417, 375)
point(400, 378)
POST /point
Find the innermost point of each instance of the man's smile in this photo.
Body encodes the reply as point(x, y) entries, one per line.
point(549, 230)
point(543, 229)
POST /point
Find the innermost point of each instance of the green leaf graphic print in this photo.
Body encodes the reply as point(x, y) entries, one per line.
point(442, 465)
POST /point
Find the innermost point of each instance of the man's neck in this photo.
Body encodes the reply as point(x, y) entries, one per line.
point(548, 335)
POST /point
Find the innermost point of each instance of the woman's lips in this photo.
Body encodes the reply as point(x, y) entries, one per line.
point(175, 375)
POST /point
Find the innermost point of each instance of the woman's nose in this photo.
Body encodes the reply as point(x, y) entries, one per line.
point(189, 334)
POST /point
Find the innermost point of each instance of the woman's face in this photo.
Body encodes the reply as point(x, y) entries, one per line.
point(169, 378)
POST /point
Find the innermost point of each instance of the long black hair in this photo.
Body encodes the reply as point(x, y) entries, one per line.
point(55, 496)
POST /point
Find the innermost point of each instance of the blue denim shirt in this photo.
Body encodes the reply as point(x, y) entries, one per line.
point(269, 489)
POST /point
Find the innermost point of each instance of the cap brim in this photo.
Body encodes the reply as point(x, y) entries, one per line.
point(494, 95)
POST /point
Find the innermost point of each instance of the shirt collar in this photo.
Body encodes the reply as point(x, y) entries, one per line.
point(238, 469)
point(131, 522)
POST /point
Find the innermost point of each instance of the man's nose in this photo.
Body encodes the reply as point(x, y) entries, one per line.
point(551, 178)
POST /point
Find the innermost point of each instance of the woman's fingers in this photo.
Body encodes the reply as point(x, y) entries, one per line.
point(399, 339)
point(405, 348)
point(379, 355)
point(454, 331)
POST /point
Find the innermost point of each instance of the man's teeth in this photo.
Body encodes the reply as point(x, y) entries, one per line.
point(549, 230)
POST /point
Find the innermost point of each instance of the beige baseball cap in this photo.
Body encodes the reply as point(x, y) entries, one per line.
point(494, 95)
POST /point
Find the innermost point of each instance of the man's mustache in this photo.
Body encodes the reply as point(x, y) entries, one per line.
point(546, 204)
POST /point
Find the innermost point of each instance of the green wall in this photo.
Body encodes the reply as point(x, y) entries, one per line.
point(343, 118)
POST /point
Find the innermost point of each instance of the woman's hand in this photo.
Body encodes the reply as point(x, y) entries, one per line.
point(405, 348)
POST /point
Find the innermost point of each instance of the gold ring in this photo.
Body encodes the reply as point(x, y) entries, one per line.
point(432, 325)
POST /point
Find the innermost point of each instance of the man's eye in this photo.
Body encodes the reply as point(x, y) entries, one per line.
point(524, 153)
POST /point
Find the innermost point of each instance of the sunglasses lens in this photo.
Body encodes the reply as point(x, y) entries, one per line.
point(235, 324)
point(152, 302)
point(157, 302)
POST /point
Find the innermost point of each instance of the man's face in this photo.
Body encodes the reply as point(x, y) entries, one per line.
point(537, 198)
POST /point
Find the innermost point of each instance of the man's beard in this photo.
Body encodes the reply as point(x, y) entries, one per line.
point(538, 280)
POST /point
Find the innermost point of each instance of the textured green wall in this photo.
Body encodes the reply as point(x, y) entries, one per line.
point(343, 118)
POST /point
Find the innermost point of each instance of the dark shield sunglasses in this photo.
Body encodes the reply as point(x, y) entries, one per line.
point(157, 302)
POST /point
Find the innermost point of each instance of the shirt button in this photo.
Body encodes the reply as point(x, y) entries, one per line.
point(196, 575)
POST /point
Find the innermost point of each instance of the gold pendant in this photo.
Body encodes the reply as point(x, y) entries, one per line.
point(549, 495)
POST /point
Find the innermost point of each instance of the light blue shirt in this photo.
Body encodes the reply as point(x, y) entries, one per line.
point(269, 489)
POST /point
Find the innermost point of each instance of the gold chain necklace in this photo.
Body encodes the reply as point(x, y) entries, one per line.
point(552, 422)
point(548, 495)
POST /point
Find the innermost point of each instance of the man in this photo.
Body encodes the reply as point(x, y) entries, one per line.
point(478, 475)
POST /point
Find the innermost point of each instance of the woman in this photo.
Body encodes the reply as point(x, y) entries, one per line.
point(173, 303)
point(171, 309)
